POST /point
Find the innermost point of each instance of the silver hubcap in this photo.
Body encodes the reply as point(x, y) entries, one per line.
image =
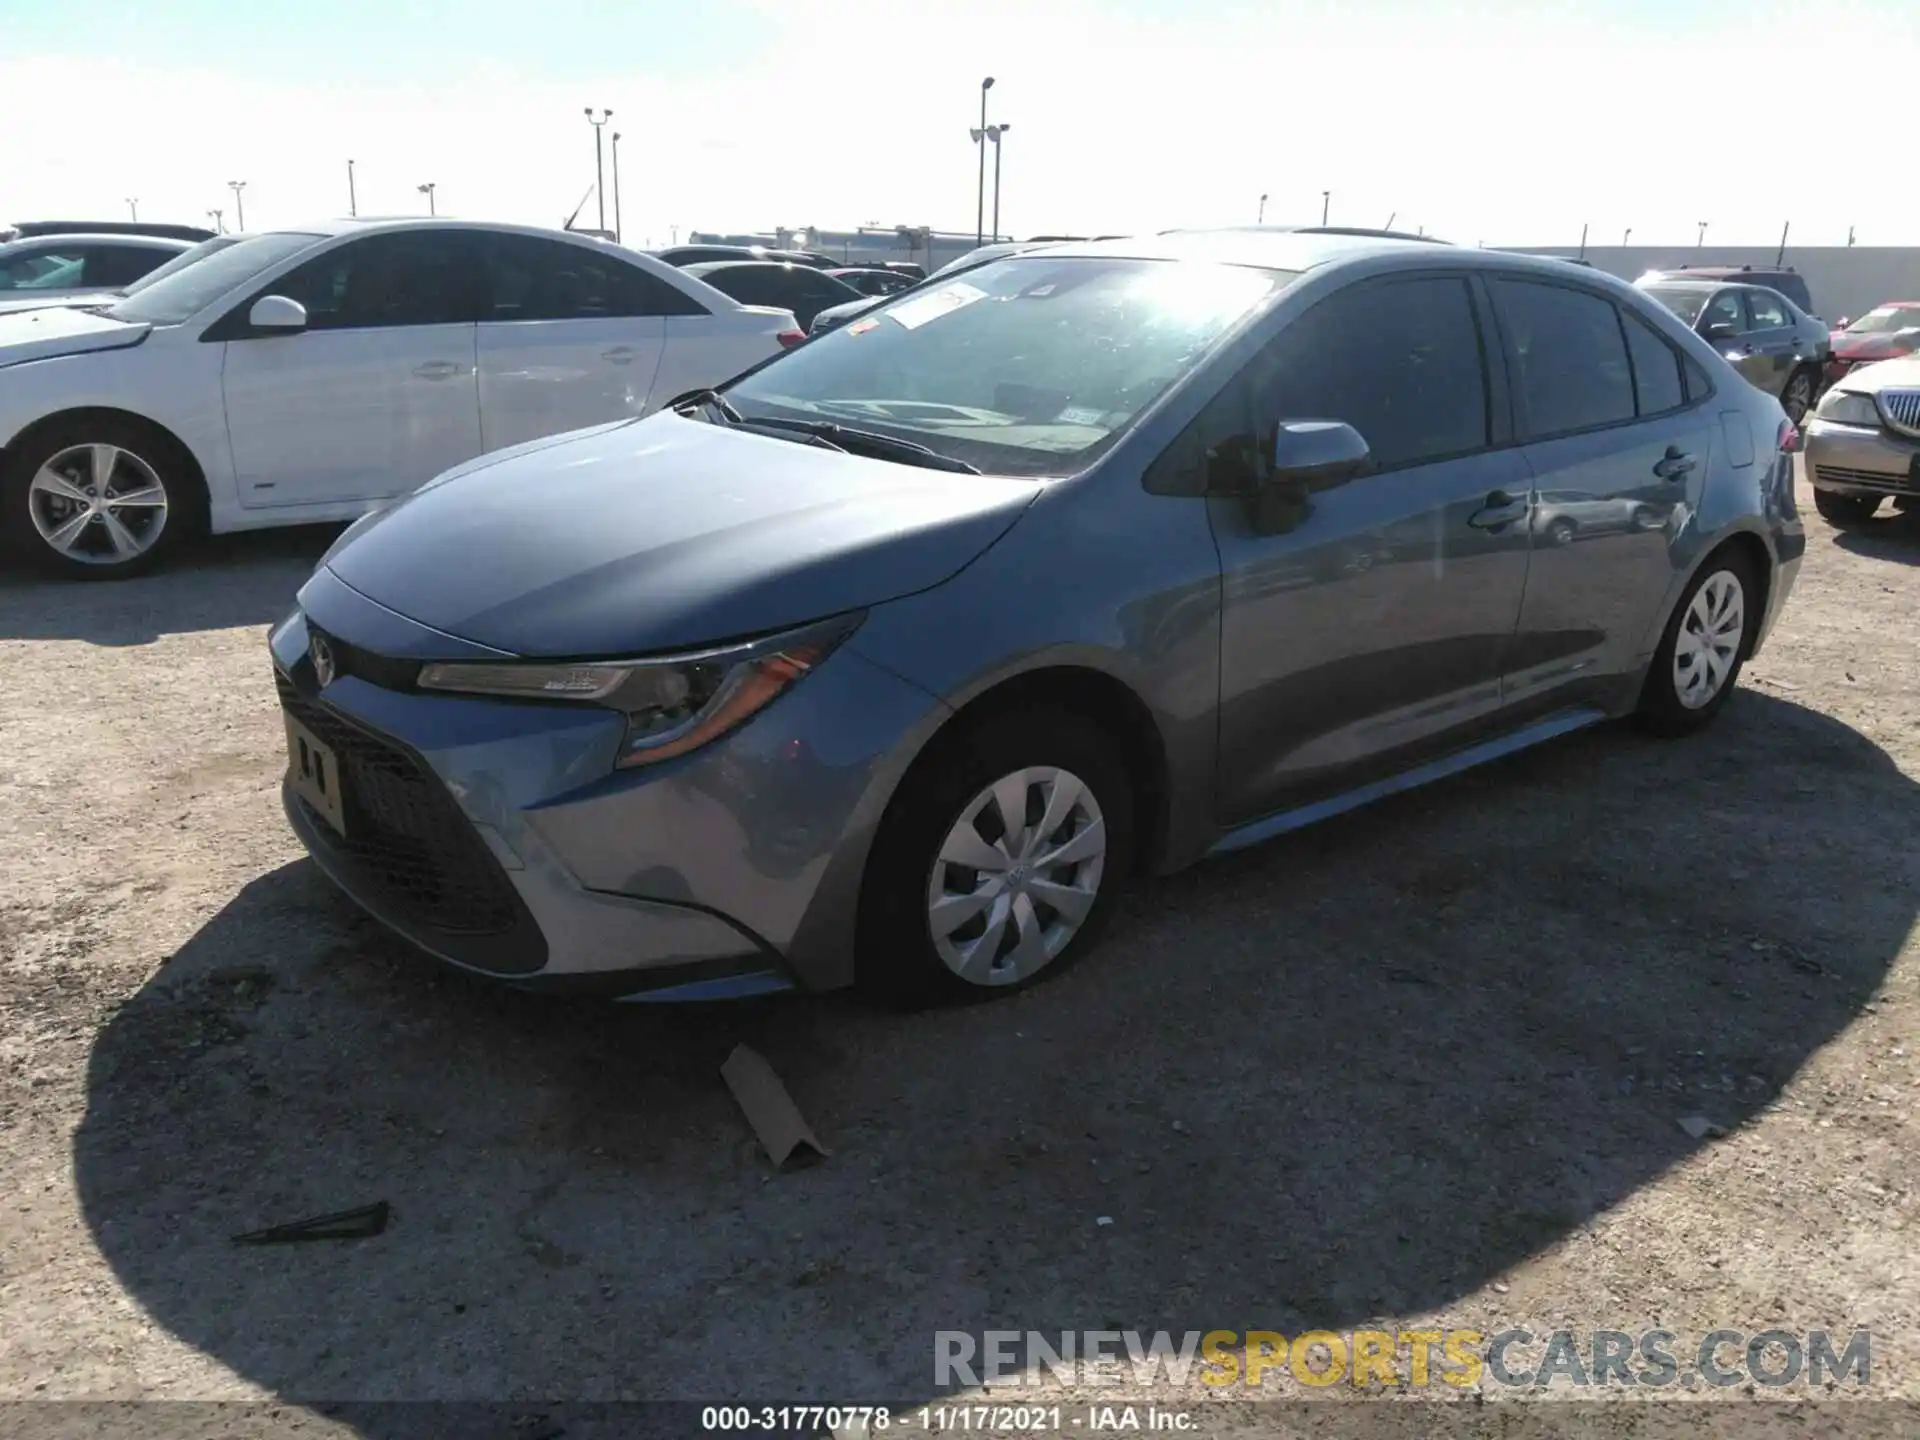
point(1016, 876)
point(1709, 639)
point(98, 504)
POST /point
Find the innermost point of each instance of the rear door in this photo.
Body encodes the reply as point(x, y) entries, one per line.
point(1729, 307)
point(1775, 341)
point(377, 395)
point(1619, 447)
point(112, 267)
point(1367, 624)
point(570, 336)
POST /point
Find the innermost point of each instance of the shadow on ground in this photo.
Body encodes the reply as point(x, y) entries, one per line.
point(1359, 1071)
point(1892, 537)
point(224, 581)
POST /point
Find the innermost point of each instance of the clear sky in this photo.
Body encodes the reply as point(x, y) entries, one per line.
point(1513, 123)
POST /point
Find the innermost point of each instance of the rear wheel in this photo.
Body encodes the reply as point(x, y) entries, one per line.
point(1797, 398)
point(1706, 642)
point(1837, 509)
point(97, 498)
point(997, 863)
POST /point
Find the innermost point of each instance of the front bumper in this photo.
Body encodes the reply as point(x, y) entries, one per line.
point(1853, 460)
point(497, 836)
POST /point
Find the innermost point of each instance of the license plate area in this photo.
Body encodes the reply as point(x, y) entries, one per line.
point(313, 771)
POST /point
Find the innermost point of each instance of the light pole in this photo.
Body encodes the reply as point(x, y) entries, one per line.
point(599, 165)
point(980, 194)
point(239, 205)
point(218, 227)
point(427, 190)
point(1626, 237)
point(133, 206)
point(1701, 238)
point(994, 132)
point(616, 187)
point(353, 199)
point(1583, 242)
point(1262, 219)
point(1326, 201)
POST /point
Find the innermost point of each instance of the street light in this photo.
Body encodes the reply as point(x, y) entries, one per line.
point(1262, 219)
point(1626, 237)
point(214, 216)
point(599, 166)
point(427, 190)
point(994, 132)
point(1701, 238)
point(980, 139)
point(133, 206)
point(239, 205)
point(1326, 200)
point(616, 187)
point(353, 200)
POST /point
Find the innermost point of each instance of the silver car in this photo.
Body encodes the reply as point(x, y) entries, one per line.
point(888, 661)
point(1863, 442)
point(54, 266)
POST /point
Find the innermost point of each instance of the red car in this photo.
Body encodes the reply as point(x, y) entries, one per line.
point(1883, 333)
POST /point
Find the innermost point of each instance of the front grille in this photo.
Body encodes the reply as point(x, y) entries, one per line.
point(411, 852)
point(1870, 479)
point(350, 659)
point(1902, 409)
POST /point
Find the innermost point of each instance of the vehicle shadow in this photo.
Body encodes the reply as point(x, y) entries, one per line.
point(1890, 537)
point(1358, 1072)
point(222, 582)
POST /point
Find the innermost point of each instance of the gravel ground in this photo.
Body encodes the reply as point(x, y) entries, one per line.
point(1423, 1064)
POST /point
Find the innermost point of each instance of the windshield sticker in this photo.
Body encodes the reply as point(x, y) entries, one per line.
point(918, 311)
point(1077, 415)
point(860, 327)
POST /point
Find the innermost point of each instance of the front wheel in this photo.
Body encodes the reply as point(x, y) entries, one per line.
point(1837, 509)
point(1705, 644)
point(997, 863)
point(95, 498)
point(1797, 398)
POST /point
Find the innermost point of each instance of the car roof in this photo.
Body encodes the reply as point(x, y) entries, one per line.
point(707, 267)
point(81, 237)
point(1298, 249)
point(364, 224)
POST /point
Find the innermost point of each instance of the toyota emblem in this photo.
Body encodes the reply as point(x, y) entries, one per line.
point(322, 654)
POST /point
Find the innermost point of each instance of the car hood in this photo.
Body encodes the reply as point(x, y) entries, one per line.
point(13, 301)
point(62, 330)
point(667, 533)
point(835, 314)
point(1898, 374)
point(1870, 347)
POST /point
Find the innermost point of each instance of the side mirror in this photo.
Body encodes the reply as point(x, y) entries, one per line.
point(277, 312)
point(1842, 322)
point(1720, 330)
point(1318, 454)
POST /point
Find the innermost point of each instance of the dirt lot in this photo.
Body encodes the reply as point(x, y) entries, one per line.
point(1422, 1064)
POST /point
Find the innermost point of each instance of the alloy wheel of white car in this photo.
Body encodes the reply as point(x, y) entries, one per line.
point(97, 504)
point(1707, 647)
point(1016, 876)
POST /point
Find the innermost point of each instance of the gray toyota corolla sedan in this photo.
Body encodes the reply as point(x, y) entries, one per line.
point(887, 662)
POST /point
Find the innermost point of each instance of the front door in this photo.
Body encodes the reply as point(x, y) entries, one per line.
point(1774, 341)
point(1366, 626)
point(1729, 308)
point(1619, 449)
point(378, 394)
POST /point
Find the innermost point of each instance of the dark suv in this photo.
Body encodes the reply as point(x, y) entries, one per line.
point(1765, 336)
point(1785, 279)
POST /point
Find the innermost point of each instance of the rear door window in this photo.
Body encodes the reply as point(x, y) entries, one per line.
point(1657, 383)
point(1568, 357)
point(1769, 310)
point(534, 279)
point(1726, 309)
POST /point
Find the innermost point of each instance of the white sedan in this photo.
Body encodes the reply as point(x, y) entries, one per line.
point(311, 375)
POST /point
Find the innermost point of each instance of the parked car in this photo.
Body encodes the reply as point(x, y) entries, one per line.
point(684, 255)
point(313, 374)
point(48, 266)
point(14, 300)
point(1771, 341)
point(26, 229)
point(874, 282)
point(799, 288)
point(1014, 593)
point(1863, 442)
point(834, 315)
point(1784, 279)
point(1885, 332)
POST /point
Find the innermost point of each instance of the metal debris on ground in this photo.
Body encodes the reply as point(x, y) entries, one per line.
point(782, 1129)
point(360, 1224)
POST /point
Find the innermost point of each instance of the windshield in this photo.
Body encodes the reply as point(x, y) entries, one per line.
point(1886, 320)
point(1026, 366)
point(181, 261)
point(1687, 304)
point(190, 289)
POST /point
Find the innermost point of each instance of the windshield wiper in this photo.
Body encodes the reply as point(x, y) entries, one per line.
point(710, 398)
point(869, 442)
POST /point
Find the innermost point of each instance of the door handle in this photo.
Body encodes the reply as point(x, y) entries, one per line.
point(439, 370)
point(619, 354)
point(1500, 511)
point(1673, 464)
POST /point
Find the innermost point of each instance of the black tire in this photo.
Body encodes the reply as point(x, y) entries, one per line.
point(1561, 531)
point(897, 961)
point(1797, 399)
point(1663, 710)
point(147, 452)
point(1845, 510)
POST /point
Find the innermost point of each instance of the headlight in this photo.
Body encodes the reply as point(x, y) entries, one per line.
point(673, 704)
point(1848, 407)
